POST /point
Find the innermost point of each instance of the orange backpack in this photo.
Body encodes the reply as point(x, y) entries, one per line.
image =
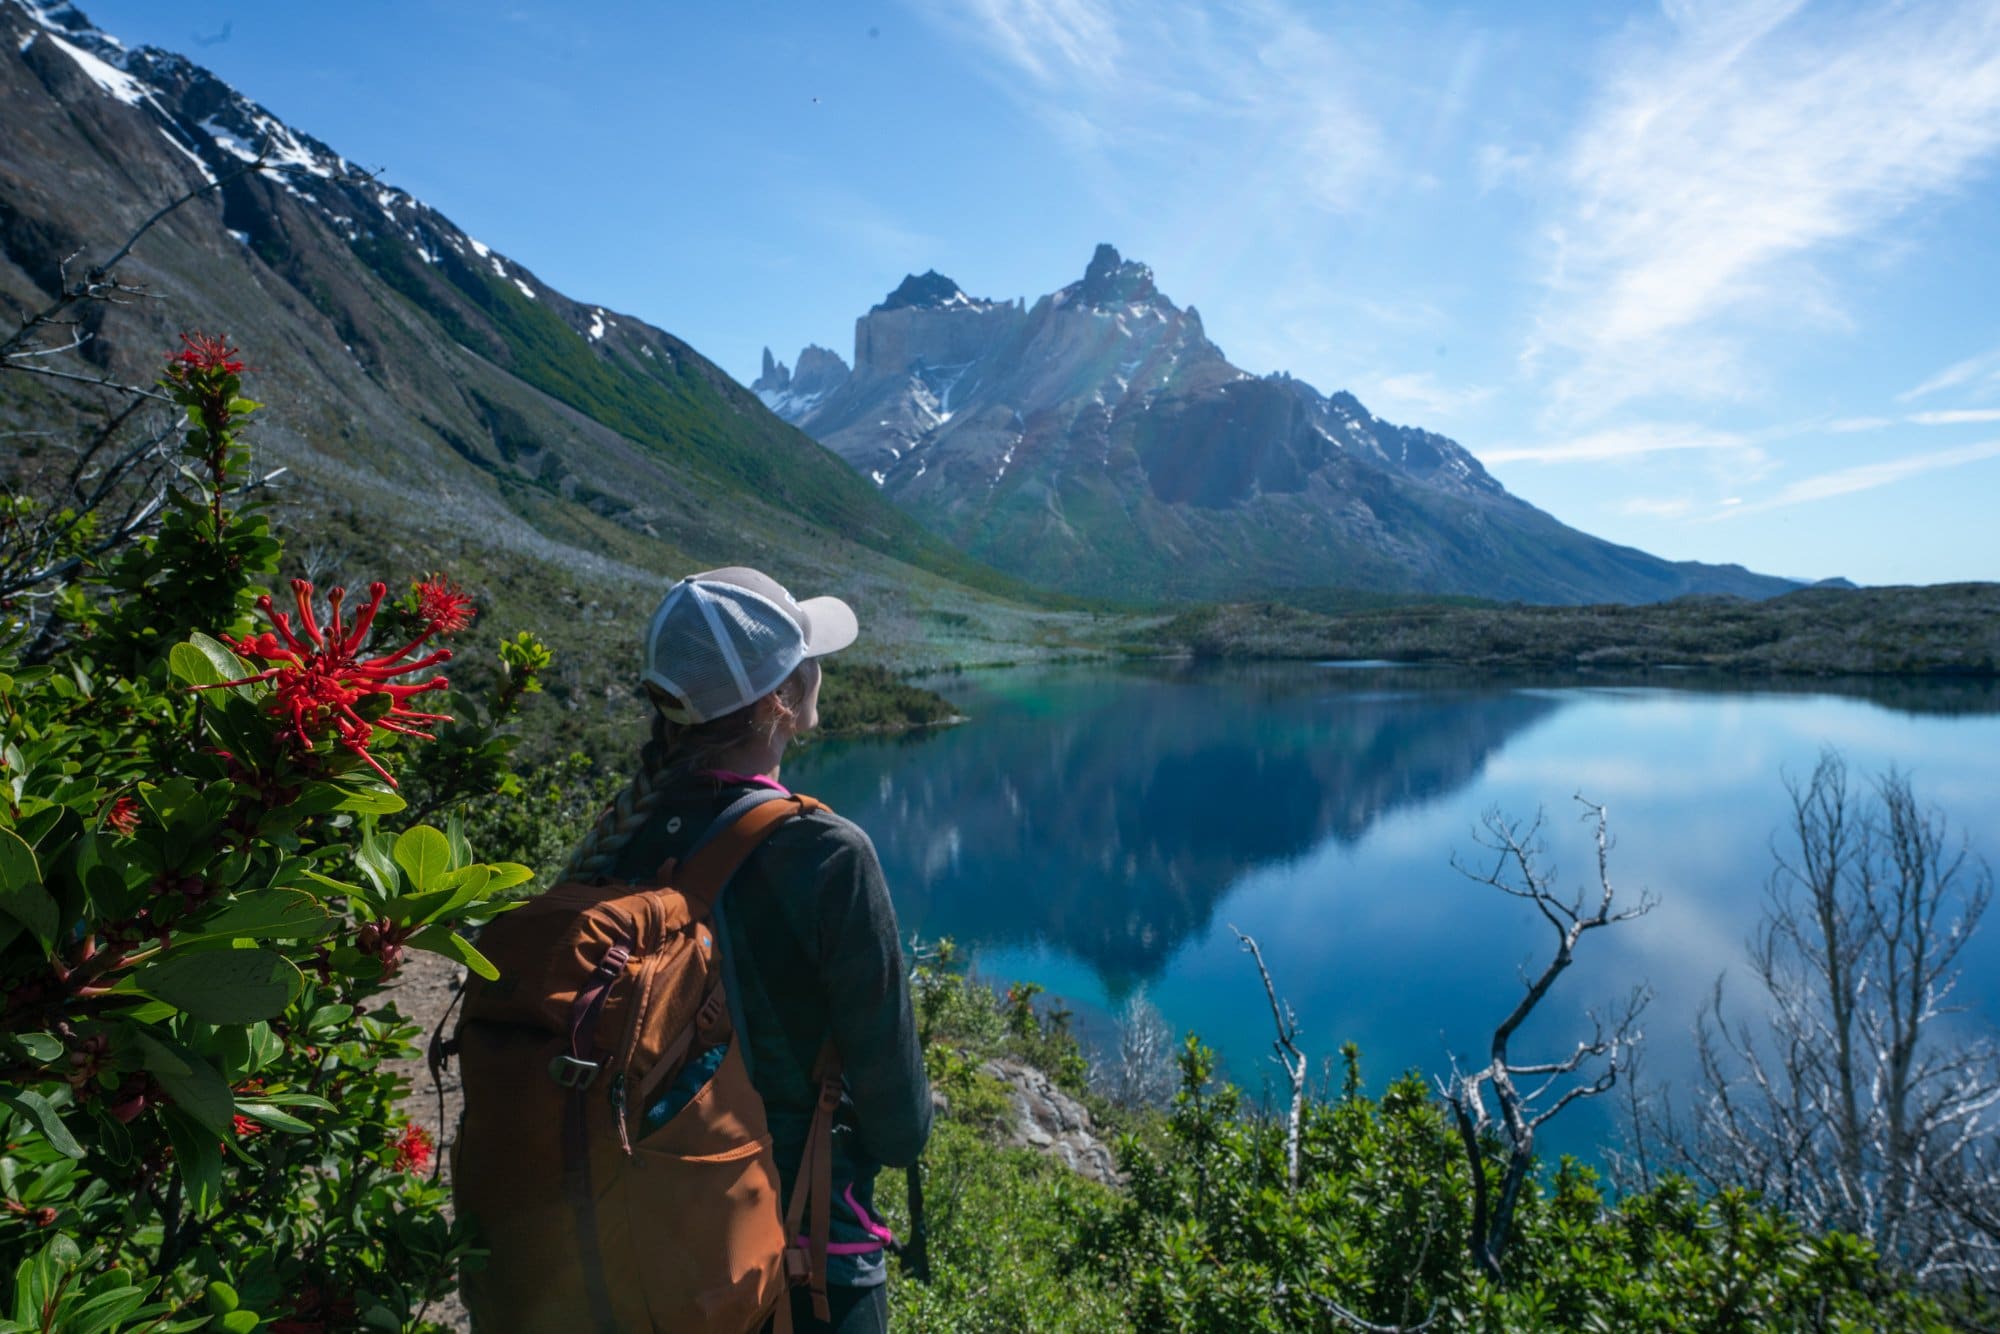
point(606, 990)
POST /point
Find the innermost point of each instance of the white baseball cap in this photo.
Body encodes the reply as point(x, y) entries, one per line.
point(726, 638)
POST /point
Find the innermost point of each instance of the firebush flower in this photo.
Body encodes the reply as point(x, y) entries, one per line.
point(317, 680)
point(122, 816)
point(413, 1148)
point(443, 606)
point(202, 354)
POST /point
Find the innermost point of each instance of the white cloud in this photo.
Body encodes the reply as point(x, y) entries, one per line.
point(1868, 476)
point(1418, 394)
point(1956, 416)
point(1623, 442)
point(1720, 162)
point(1982, 371)
point(1120, 76)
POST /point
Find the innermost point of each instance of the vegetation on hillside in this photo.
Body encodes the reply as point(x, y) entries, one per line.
point(1945, 630)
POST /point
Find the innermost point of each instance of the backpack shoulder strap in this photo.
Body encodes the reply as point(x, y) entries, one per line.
point(736, 833)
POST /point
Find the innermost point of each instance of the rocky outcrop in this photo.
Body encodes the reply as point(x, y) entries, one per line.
point(1045, 1118)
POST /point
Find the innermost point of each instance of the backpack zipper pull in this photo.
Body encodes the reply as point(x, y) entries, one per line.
point(618, 1112)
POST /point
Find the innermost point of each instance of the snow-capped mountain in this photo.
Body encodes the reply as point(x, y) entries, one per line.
point(1099, 442)
point(426, 387)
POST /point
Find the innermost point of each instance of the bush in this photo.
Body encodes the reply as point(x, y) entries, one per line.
point(202, 896)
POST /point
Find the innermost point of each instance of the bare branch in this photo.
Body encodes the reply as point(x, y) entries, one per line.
point(1289, 1055)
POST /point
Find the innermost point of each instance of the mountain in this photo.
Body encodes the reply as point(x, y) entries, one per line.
point(1098, 442)
point(432, 398)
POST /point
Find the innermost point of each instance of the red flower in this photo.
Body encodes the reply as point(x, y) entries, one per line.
point(319, 679)
point(413, 1150)
point(203, 354)
point(443, 606)
point(122, 816)
point(243, 1127)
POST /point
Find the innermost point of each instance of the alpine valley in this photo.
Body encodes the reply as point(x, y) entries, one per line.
point(1098, 442)
point(431, 402)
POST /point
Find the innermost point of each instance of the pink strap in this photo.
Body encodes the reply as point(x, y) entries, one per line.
point(754, 780)
point(883, 1236)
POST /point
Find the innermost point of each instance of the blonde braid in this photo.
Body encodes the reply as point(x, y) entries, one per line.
point(628, 813)
point(673, 750)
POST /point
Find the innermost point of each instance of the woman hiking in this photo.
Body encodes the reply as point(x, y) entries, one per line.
point(818, 1007)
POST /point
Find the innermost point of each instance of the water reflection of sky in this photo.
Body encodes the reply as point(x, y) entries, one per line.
point(1097, 830)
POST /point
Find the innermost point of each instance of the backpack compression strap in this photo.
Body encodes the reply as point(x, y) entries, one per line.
point(815, 1181)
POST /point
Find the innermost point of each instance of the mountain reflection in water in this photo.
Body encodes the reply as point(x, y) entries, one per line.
point(1106, 814)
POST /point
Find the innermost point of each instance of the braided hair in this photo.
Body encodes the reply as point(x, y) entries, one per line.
point(671, 752)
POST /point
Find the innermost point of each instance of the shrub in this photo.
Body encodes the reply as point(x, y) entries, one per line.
point(201, 899)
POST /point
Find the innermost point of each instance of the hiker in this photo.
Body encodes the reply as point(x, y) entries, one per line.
point(807, 935)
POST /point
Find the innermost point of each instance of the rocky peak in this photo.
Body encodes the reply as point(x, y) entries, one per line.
point(1112, 281)
point(774, 378)
point(930, 290)
point(819, 370)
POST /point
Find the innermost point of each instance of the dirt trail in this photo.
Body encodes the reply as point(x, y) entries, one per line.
point(424, 989)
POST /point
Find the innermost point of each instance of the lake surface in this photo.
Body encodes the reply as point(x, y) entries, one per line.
point(1098, 829)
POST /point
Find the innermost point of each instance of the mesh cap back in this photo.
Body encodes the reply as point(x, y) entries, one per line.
point(727, 638)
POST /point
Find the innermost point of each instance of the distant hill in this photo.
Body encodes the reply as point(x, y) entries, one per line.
point(1098, 442)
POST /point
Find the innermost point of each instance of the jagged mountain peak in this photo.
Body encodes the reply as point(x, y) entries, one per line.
point(1110, 280)
point(929, 290)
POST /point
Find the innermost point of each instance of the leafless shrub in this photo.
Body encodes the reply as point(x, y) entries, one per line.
point(1140, 1072)
point(1854, 1100)
point(1590, 1069)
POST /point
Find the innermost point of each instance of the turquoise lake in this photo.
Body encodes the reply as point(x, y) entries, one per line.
point(1098, 829)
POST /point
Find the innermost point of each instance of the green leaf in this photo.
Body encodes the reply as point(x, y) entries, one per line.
point(506, 875)
point(371, 854)
point(41, 1047)
point(332, 886)
point(199, 1092)
point(197, 1156)
point(212, 666)
point(225, 663)
point(370, 801)
point(240, 1322)
point(224, 986)
point(425, 856)
point(311, 1100)
point(454, 833)
point(222, 1298)
point(272, 914)
point(460, 888)
point(269, 1115)
point(43, 1113)
point(442, 940)
point(21, 894)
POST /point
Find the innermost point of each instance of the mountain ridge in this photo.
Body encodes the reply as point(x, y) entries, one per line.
point(1097, 440)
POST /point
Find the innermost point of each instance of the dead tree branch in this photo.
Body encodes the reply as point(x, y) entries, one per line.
point(1516, 871)
point(1287, 1050)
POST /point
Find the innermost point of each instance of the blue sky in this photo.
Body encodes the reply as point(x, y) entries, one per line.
point(1715, 278)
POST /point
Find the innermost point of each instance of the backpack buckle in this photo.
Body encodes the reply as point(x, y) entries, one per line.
point(571, 1073)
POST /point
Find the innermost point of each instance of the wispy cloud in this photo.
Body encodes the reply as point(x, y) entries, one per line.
point(1123, 77)
point(1955, 416)
point(1867, 476)
point(1941, 417)
point(1721, 161)
point(1421, 394)
point(1623, 442)
point(1982, 371)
